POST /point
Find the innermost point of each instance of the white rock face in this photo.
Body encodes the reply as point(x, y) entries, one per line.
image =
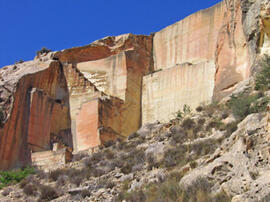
point(165, 92)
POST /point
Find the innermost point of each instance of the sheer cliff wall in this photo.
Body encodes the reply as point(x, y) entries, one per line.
point(85, 96)
point(32, 118)
point(212, 41)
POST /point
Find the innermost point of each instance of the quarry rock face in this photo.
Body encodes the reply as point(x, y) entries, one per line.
point(213, 38)
point(86, 96)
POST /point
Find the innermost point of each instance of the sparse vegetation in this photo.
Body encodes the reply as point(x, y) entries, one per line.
point(175, 156)
point(43, 50)
point(55, 174)
point(244, 104)
point(262, 80)
point(30, 189)
point(188, 124)
point(85, 193)
point(210, 109)
point(231, 127)
point(10, 177)
point(48, 193)
point(19, 61)
point(215, 123)
point(199, 109)
point(186, 111)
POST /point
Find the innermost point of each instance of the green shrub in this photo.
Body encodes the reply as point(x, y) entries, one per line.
point(262, 78)
point(193, 164)
point(259, 105)
point(9, 177)
point(240, 105)
point(245, 104)
point(43, 50)
point(186, 111)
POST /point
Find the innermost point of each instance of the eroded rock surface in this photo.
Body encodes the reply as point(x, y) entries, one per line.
point(86, 96)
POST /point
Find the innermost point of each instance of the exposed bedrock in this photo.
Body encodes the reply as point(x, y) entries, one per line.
point(85, 96)
point(213, 40)
point(40, 110)
point(105, 87)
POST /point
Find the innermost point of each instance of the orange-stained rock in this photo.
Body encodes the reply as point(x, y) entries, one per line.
point(45, 122)
point(105, 47)
point(84, 96)
point(87, 126)
point(233, 62)
point(98, 121)
point(119, 74)
point(214, 35)
point(192, 39)
point(14, 149)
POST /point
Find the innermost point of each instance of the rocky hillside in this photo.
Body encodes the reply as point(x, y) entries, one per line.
point(219, 152)
point(180, 115)
point(83, 97)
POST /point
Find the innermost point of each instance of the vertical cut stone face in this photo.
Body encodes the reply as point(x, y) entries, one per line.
point(45, 122)
point(15, 150)
point(87, 126)
point(107, 89)
point(117, 77)
point(215, 35)
point(233, 61)
point(165, 92)
point(192, 39)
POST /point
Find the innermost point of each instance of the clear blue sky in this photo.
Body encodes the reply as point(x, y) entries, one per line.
point(28, 25)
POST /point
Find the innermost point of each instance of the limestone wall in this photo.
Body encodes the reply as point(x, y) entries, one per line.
point(118, 75)
point(165, 92)
point(104, 90)
point(214, 34)
point(47, 118)
point(14, 149)
point(98, 121)
point(192, 39)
